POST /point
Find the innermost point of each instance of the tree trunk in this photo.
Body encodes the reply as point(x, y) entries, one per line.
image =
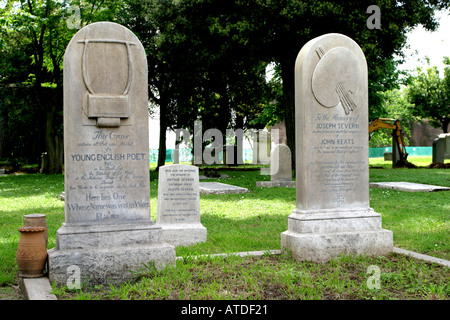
point(288, 76)
point(239, 141)
point(444, 123)
point(162, 136)
point(2, 141)
point(54, 144)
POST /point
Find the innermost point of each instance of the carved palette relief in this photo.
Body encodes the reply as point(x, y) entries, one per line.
point(336, 78)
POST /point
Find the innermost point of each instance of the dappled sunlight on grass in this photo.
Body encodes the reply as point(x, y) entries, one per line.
point(420, 161)
point(21, 195)
point(250, 221)
point(419, 220)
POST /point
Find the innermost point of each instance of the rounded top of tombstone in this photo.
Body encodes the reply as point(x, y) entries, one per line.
point(327, 42)
point(337, 66)
point(104, 31)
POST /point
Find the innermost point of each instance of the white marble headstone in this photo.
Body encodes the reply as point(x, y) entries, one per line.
point(178, 207)
point(106, 155)
point(332, 214)
point(108, 230)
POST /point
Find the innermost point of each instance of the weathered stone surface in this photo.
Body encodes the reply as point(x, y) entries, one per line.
point(331, 125)
point(323, 247)
point(408, 186)
point(106, 158)
point(332, 214)
point(220, 188)
point(178, 208)
point(37, 289)
point(108, 265)
point(107, 230)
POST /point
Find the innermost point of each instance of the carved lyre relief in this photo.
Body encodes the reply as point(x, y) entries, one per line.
point(336, 78)
point(107, 79)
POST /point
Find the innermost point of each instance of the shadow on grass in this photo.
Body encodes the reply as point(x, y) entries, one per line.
point(236, 233)
point(26, 185)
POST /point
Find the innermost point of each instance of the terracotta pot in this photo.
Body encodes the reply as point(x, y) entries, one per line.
point(36, 220)
point(31, 252)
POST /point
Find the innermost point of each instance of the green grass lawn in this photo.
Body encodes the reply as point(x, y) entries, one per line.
point(279, 278)
point(420, 161)
point(254, 221)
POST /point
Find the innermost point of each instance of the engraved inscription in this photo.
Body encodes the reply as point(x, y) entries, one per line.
point(178, 198)
point(105, 174)
point(335, 164)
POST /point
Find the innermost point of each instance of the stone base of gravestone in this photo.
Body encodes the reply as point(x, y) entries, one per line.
point(321, 237)
point(275, 184)
point(183, 234)
point(101, 255)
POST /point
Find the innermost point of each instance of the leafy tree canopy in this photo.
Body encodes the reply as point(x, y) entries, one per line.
point(33, 38)
point(430, 95)
point(222, 35)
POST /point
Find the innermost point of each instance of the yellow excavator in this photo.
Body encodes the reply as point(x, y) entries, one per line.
point(397, 133)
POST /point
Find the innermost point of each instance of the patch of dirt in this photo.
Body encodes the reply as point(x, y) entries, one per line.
point(409, 165)
point(11, 291)
point(439, 165)
point(405, 164)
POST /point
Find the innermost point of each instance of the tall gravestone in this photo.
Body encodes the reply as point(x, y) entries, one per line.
point(178, 207)
point(332, 214)
point(107, 230)
point(280, 168)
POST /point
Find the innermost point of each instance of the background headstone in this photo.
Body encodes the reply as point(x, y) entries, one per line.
point(441, 148)
point(108, 230)
point(280, 168)
point(178, 207)
point(332, 214)
point(176, 156)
